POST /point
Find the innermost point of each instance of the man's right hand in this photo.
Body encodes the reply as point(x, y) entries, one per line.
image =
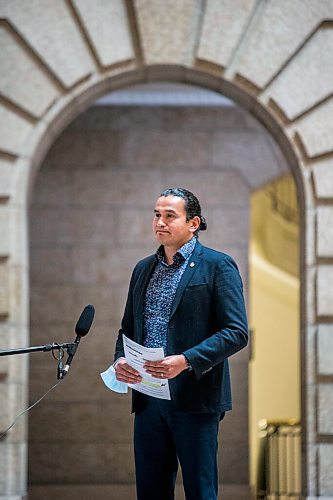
point(125, 373)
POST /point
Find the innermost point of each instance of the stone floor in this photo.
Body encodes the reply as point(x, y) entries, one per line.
point(119, 492)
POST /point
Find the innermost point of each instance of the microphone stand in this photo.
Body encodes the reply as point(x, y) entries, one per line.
point(69, 346)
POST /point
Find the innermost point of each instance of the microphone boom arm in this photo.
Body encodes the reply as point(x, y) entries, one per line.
point(38, 348)
point(69, 346)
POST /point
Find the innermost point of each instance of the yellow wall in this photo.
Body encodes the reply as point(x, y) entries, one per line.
point(274, 372)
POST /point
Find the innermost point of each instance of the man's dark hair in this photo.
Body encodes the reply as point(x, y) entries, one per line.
point(192, 205)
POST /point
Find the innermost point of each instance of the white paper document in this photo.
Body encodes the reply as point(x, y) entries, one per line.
point(136, 355)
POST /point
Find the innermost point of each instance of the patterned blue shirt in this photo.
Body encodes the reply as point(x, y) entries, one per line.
point(160, 294)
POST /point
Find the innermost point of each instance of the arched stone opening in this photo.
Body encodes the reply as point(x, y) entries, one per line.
point(214, 84)
point(272, 57)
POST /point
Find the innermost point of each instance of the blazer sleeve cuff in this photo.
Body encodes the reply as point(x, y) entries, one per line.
point(199, 371)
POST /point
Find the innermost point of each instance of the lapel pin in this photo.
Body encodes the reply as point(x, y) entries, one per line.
point(192, 264)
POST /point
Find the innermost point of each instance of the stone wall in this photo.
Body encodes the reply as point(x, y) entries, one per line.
point(90, 222)
point(272, 57)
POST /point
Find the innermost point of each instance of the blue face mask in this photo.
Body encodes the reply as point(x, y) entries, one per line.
point(109, 379)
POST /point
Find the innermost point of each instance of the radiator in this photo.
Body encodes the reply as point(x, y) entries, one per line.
point(279, 471)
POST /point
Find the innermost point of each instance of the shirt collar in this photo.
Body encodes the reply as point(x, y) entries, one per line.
point(181, 255)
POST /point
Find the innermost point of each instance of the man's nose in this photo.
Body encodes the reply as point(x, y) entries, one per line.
point(160, 222)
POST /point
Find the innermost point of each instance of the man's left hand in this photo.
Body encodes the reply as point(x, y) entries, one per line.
point(169, 367)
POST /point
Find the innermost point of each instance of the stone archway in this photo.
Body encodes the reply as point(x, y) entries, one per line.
point(270, 57)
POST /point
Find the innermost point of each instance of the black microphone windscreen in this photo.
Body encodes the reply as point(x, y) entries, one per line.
point(85, 320)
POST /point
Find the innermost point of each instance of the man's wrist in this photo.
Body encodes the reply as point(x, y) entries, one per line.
point(117, 360)
point(188, 364)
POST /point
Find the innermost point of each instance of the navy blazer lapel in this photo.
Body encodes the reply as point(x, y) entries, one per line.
point(191, 268)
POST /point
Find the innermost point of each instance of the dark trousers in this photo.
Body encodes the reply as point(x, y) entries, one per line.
point(163, 436)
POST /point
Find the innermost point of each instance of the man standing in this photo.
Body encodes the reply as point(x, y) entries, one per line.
point(187, 299)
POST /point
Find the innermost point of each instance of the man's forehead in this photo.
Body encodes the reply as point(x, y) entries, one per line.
point(170, 203)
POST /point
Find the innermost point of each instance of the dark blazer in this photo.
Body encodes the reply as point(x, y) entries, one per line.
point(207, 323)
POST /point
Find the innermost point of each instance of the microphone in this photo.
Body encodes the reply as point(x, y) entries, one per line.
point(85, 321)
point(81, 329)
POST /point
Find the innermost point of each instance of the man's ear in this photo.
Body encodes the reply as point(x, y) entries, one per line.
point(194, 224)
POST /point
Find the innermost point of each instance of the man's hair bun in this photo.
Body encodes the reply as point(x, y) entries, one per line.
point(203, 223)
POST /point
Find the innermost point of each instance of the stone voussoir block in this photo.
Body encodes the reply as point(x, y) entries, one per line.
point(325, 231)
point(325, 290)
point(7, 178)
point(223, 25)
point(15, 131)
point(54, 36)
point(315, 130)
point(12, 456)
point(106, 23)
point(5, 231)
point(167, 30)
point(4, 291)
point(322, 173)
point(277, 30)
point(325, 409)
point(301, 85)
point(325, 349)
point(24, 82)
point(325, 470)
point(14, 397)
